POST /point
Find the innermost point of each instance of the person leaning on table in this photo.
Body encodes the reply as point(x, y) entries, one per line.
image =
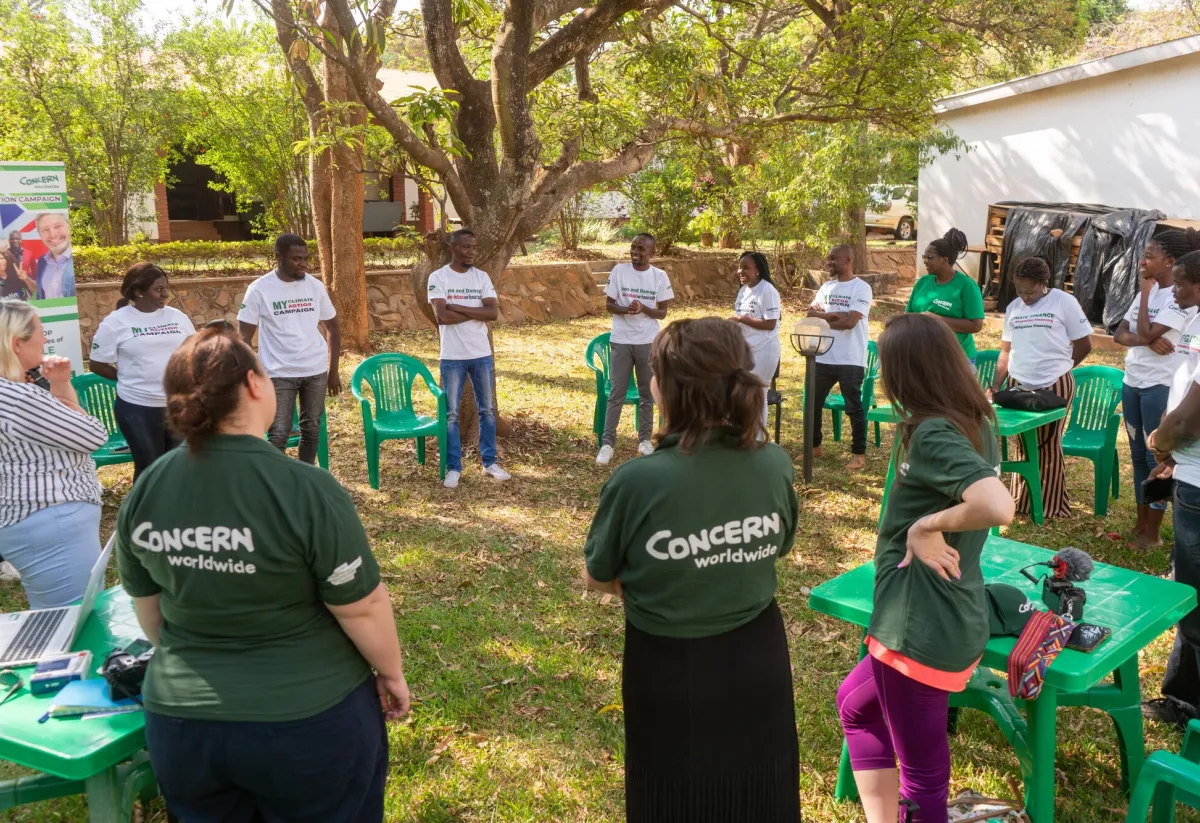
point(689, 537)
point(49, 492)
point(252, 576)
point(1046, 334)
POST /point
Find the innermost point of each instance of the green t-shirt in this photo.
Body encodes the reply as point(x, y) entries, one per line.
point(694, 538)
point(959, 298)
point(942, 624)
point(245, 546)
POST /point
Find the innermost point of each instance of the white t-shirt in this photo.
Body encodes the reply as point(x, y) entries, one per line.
point(288, 317)
point(649, 287)
point(849, 345)
point(1187, 374)
point(1144, 368)
point(760, 301)
point(1041, 337)
point(469, 340)
point(139, 344)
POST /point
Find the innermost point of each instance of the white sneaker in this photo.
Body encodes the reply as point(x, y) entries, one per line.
point(646, 448)
point(495, 471)
point(605, 455)
point(8, 571)
point(451, 481)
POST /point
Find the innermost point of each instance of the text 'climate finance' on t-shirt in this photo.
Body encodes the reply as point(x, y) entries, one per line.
point(139, 344)
point(649, 288)
point(760, 301)
point(288, 316)
point(1041, 337)
point(849, 345)
point(1143, 366)
point(467, 340)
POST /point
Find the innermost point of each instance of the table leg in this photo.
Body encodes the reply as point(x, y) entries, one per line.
point(1031, 471)
point(1131, 739)
point(104, 797)
point(1039, 789)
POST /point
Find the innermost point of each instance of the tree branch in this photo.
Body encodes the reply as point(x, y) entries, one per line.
point(518, 142)
point(286, 34)
point(584, 31)
point(441, 43)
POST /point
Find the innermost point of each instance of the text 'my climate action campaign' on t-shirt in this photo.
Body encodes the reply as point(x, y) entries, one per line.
point(760, 301)
point(649, 287)
point(288, 316)
point(468, 340)
point(849, 345)
point(1041, 337)
point(139, 344)
point(1145, 367)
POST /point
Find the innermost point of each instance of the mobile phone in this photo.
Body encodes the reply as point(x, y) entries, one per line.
point(1155, 489)
point(138, 647)
point(1087, 637)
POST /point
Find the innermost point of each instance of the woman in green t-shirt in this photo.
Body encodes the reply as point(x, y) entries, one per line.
point(253, 578)
point(947, 293)
point(688, 536)
point(929, 625)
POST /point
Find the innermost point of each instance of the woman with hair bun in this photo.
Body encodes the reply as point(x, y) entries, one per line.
point(689, 537)
point(132, 347)
point(276, 655)
point(757, 312)
point(947, 293)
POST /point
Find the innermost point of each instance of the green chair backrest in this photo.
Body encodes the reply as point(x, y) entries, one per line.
point(985, 366)
point(1097, 393)
point(872, 359)
point(597, 355)
point(96, 396)
point(391, 377)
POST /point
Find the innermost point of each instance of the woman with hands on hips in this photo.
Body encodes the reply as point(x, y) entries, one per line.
point(930, 622)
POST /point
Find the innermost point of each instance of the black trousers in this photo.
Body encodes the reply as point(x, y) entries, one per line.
point(849, 379)
point(1181, 680)
point(145, 430)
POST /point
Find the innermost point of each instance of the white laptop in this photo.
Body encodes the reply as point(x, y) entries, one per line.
point(27, 637)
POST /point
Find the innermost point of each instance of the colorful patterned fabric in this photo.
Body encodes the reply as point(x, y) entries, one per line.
point(1044, 636)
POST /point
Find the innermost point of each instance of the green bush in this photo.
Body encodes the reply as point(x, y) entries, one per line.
point(664, 197)
point(203, 258)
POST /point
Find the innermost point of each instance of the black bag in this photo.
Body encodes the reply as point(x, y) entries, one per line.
point(1030, 400)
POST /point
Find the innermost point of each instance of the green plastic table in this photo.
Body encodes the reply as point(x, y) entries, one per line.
point(1009, 423)
point(102, 757)
point(1137, 607)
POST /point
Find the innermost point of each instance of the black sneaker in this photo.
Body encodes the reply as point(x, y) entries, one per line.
point(1166, 710)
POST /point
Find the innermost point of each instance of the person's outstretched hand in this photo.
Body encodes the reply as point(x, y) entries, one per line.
point(930, 548)
point(393, 696)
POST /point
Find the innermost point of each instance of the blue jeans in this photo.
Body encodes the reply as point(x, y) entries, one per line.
point(1144, 410)
point(145, 430)
point(454, 377)
point(1181, 680)
point(54, 550)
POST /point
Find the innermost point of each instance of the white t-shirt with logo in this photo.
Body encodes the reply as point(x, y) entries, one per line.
point(1041, 337)
point(760, 301)
point(649, 287)
point(849, 345)
point(288, 316)
point(139, 344)
point(1143, 367)
point(469, 340)
point(1187, 374)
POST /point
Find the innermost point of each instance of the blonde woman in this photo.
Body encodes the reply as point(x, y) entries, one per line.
point(49, 492)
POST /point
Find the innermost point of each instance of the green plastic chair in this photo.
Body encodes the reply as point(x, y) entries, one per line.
point(391, 378)
point(322, 442)
point(1092, 427)
point(837, 404)
point(596, 357)
point(985, 366)
point(1167, 779)
point(96, 396)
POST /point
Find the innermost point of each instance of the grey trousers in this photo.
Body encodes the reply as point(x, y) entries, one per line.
point(623, 359)
point(311, 392)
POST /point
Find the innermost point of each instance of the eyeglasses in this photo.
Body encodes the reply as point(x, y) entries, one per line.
point(12, 681)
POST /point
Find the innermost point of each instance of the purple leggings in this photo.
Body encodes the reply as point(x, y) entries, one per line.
point(885, 713)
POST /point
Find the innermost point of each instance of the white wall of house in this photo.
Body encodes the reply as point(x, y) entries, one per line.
point(1120, 134)
point(146, 222)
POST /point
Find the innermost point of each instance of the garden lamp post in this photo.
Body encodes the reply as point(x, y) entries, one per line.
point(810, 338)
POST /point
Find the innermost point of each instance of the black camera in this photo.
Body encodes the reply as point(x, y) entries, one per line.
point(125, 673)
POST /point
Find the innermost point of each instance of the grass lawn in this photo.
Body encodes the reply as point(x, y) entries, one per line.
point(515, 669)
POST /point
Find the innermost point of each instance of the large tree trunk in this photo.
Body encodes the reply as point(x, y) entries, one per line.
point(858, 239)
point(321, 184)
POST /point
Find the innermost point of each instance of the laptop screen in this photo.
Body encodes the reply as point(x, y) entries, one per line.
point(94, 587)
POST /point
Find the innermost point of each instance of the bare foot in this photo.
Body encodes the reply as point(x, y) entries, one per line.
point(1143, 541)
point(857, 462)
point(818, 451)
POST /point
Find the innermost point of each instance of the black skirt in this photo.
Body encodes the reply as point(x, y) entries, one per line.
point(710, 726)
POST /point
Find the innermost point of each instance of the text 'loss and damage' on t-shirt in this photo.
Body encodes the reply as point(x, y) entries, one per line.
point(849, 345)
point(938, 623)
point(245, 547)
point(139, 344)
point(649, 287)
point(1041, 337)
point(1143, 366)
point(467, 340)
point(694, 538)
point(288, 316)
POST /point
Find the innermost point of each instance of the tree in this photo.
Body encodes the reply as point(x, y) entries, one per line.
point(102, 103)
point(244, 119)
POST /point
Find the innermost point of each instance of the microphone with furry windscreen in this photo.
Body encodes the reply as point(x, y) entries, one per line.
point(1059, 592)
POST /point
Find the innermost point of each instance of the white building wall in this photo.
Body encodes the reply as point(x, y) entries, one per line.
point(1130, 138)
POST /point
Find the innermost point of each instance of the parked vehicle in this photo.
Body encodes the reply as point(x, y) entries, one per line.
point(893, 208)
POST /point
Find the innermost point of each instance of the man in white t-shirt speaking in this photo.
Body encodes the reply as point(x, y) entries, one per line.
point(637, 297)
point(464, 302)
point(287, 308)
point(844, 302)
